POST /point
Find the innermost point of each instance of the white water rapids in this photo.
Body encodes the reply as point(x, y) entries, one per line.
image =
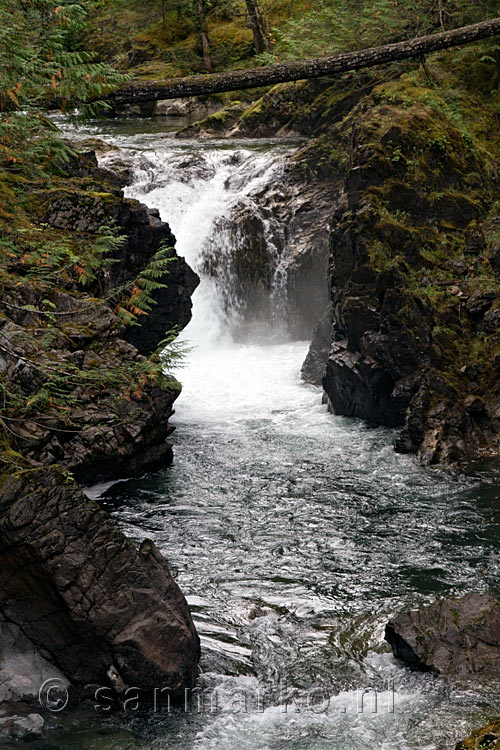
point(294, 534)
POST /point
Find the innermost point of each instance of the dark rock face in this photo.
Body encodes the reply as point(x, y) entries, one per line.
point(415, 333)
point(305, 107)
point(108, 436)
point(373, 353)
point(356, 385)
point(277, 264)
point(454, 637)
point(78, 602)
point(314, 365)
point(144, 234)
point(115, 435)
point(96, 608)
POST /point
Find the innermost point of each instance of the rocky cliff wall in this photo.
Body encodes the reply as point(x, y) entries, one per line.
point(85, 399)
point(414, 275)
point(411, 338)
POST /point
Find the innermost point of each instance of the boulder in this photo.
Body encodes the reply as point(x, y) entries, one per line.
point(452, 637)
point(85, 599)
point(21, 727)
point(486, 738)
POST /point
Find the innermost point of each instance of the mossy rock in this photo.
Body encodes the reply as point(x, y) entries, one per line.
point(215, 124)
point(231, 43)
point(487, 738)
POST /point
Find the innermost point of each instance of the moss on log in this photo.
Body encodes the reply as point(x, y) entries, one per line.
point(141, 91)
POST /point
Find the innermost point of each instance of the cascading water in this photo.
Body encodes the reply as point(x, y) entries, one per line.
point(200, 193)
point(294, 534)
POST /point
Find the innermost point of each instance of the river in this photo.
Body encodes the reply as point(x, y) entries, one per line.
point(294, 534)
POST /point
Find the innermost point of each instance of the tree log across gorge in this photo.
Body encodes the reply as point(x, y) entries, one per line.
point(143, 91)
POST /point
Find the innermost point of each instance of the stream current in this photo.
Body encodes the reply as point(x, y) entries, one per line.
point(293, 533)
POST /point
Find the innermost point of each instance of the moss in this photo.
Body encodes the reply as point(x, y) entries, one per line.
point(323, 158)
point(11, 462)
point(232, 43)
point(215, 123)
point(140, 39)
point(486, 738)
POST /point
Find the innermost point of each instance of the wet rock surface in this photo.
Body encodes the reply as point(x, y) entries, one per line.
point(215, 123)
point(278, 241)
point(486, 738)
point(99, 610)
point(314, 366)
point(453, 637)
point(78, 602)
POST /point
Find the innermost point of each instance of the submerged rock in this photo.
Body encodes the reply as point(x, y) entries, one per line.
point(453, 637)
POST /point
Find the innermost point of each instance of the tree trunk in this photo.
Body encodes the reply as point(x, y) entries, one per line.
point(260, 40)
point(205, 41)
point(295, 71)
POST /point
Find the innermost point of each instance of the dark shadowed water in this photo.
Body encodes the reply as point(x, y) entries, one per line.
point(294, 534)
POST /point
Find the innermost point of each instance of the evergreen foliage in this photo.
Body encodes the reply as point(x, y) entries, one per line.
point(40, 65)
point(162, 39)
point(330, 26)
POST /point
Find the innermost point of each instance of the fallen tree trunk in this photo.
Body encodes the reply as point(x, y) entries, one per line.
point(295, 71)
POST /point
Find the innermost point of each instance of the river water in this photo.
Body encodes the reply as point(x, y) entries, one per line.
point(294, 534)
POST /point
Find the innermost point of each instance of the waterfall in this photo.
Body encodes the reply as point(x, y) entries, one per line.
point(210, 198)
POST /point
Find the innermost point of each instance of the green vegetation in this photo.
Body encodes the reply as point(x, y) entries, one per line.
point(169, 39)
point(51, 280)
point(430, 153)
point(329, 26)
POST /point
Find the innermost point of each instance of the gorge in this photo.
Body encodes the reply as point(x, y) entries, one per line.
point(310, 275)
point(294, 534)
